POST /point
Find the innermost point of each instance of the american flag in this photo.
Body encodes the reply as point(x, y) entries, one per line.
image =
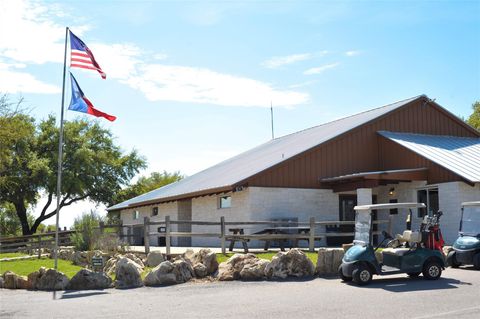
point(82, 57)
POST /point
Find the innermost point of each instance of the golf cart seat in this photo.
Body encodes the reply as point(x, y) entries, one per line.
point(395, 251)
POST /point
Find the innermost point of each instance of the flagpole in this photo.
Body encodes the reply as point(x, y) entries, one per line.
point(60, 153)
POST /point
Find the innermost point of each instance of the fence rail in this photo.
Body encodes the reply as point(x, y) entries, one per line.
point(37, 242)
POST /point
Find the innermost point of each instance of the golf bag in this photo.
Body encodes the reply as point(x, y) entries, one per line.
point(431, 234)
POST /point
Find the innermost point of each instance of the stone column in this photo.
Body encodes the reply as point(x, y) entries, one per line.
point(364, 196)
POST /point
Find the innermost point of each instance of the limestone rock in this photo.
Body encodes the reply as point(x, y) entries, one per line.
point(170, 273)
point(329, 259)
point(242, 266)
point(35, 276)
point(14, 281)
point(79, 258)
point(86, 279)
point(205, 257)
point(183, 270)
point(127, 274)
point(51, 279)
point(292, 263)
point(2, 282)
point(154, 259)
point(110, 265)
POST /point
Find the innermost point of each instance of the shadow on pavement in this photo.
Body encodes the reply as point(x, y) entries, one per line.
point(412, 284)
point(76, 294)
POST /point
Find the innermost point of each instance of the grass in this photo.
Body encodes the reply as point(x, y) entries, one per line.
point(11, 255)
point(27, 266)
point(267, 255)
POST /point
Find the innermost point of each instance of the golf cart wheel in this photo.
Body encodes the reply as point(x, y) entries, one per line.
point(432, 270)
point(413, 274)
point(362, 275)
point(452, 260)
point(476, 261)
point(342, 276)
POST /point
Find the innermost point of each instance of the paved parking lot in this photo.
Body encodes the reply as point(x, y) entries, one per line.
point(456, 295)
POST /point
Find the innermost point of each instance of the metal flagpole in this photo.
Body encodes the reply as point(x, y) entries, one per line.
point(60, 153)
point(271, 115)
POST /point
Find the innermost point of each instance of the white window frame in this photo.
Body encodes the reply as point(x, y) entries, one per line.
point(427, 189)
point(136, 215)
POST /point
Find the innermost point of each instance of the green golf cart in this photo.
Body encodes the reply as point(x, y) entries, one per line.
point(409, 254)
point(466, 249)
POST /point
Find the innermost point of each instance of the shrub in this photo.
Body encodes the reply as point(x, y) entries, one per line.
point(84, 238)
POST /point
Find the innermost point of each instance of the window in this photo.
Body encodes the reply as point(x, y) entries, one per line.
point(225, 202)
point(429, 197)
point(155, 211)
point(136, 214)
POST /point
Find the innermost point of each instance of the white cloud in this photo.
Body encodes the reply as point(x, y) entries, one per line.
point(321, 69)
point(353, 53)
point(278, 61)
point(38, 39)
point(12, 81)
point(200, 85)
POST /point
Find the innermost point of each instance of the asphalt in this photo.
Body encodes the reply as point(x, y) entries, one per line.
point(455, 295)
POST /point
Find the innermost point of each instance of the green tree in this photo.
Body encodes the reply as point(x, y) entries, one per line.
point(9, 222)
point(474, 119)
point(94, 167)
point(146, 184)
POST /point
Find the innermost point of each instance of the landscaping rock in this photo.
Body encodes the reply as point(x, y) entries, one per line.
point(79, 258)
point(292, 263)
point(154, 258)
point(34, 276)
point(64, 253)
point(242, 266)
point(161, 275)
point(110, 265)
point(51, 279)
point(14, 281)
point(127, 274)
point(170, 273)
point(329, 259)
point(204, 257)
point(2, 282)
point(86, 279)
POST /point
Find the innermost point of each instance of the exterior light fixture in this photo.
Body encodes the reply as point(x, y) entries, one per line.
point(391, 191)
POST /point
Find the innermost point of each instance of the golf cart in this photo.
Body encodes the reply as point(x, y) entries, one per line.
point(466, 249)
point(411, 252)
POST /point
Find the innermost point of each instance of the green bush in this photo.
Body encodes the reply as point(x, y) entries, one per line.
point(85, 236)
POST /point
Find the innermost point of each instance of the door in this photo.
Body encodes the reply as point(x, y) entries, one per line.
point(346, 213)
point(185, 213)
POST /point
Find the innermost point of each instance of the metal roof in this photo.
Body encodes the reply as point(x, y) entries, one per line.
point(374, 173)
point(260, 158)
point(460, 155)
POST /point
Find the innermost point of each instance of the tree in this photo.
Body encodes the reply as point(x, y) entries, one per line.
point(9, 222)
point(474, 119)
point(94, 167)
point(146, 184)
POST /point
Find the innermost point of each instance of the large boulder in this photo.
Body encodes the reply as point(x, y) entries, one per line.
point(2, 282)
point(110, 265)
point(127, 274)
point(154, 258)
point(14, 281)
point(204, 262)
point(49, 279)
point(80, 258)
point(292, 263)
point(329, 259)
point(242, 266)
point(86, 279)
point(64, 253)
point(170, 273)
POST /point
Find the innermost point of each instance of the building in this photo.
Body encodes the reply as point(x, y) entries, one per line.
point(411, 150)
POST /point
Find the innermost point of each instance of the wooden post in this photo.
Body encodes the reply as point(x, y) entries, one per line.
point(222, 232)
point(167, 235)
point(39, 239)
point(102, 227)
point(146, 232)
point(311, 241)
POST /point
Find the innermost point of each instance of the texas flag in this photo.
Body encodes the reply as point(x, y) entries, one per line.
point(80, 103)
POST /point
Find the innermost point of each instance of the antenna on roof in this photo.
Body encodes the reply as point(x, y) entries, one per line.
point(271, 115)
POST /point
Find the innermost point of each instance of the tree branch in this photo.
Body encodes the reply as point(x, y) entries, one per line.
point(49, 201)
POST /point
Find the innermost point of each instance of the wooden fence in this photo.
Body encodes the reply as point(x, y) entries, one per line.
point(31, 243)
point(311, 235)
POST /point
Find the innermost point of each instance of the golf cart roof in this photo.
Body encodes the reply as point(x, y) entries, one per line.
point(389, 206)
point(464, 204)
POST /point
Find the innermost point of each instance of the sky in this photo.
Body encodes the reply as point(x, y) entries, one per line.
point(192, 82)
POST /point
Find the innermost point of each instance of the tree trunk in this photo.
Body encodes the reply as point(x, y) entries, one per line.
point(22, 216)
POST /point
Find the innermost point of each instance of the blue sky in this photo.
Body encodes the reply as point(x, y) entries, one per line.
point(191, 82)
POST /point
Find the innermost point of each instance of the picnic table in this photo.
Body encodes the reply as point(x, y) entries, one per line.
point(269, 231)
